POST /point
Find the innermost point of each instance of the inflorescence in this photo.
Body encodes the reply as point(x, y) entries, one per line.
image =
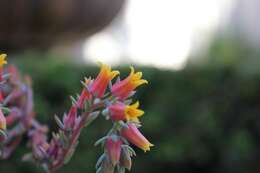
point(98, 97)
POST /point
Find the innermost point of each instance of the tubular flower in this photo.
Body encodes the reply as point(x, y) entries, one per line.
point(2, 121)
point(113, 147)
point(122, 89)
point(132, 134)
point(2, 60)
point(120, 111)
point(100, 84)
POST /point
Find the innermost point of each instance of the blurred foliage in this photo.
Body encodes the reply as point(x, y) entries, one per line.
point(229, 51)
point(201, 119)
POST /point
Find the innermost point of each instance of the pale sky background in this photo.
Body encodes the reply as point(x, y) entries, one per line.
point(159, 33)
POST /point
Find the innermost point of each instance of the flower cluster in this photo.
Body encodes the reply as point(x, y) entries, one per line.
point(16, 108)
point(125, 118)
point(99, 97)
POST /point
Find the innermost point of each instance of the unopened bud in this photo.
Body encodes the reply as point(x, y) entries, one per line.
point(125, 159)
point(2, 136)
point(69, 120)
point(107, 166)
point(113, 147)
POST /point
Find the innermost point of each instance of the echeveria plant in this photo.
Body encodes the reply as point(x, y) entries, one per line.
point(99, 96)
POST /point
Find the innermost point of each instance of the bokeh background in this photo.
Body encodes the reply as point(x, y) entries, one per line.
point(201, 58)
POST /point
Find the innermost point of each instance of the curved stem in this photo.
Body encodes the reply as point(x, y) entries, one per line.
point(75, 135)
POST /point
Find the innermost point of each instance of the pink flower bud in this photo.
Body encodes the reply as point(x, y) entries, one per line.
point(2, 121)
point(113, 147)
point(125, 159)
point(117, 111)
point(132, 134)
point(14, 74)
point(107, 166)
point(39, 141)
point(11, 118)
point(54, 150)
point(69, 120)
point(1, 97)
point(84, 95)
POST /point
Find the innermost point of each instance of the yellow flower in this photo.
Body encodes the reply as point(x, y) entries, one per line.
point(136, 78)
point(106, 71)
point(2, 60)
point(132, 112)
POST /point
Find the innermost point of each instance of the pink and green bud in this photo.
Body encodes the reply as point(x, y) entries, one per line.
point(13, 71)
point(2, 121)
point(1, 97)
point(85, 95)
point(113, 148)
point(117, 111)
point(125, 159)
point(107, 166)
point(54, 150)
point(132, 134)
point(69, 120)
point(99, 86)
point(39, 141)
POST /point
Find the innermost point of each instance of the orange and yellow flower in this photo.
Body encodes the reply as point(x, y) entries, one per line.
point(132, 134)
point(2, 121)
point(123, 89)
point(3, 60)
point(100, 84)
point(120, 111)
